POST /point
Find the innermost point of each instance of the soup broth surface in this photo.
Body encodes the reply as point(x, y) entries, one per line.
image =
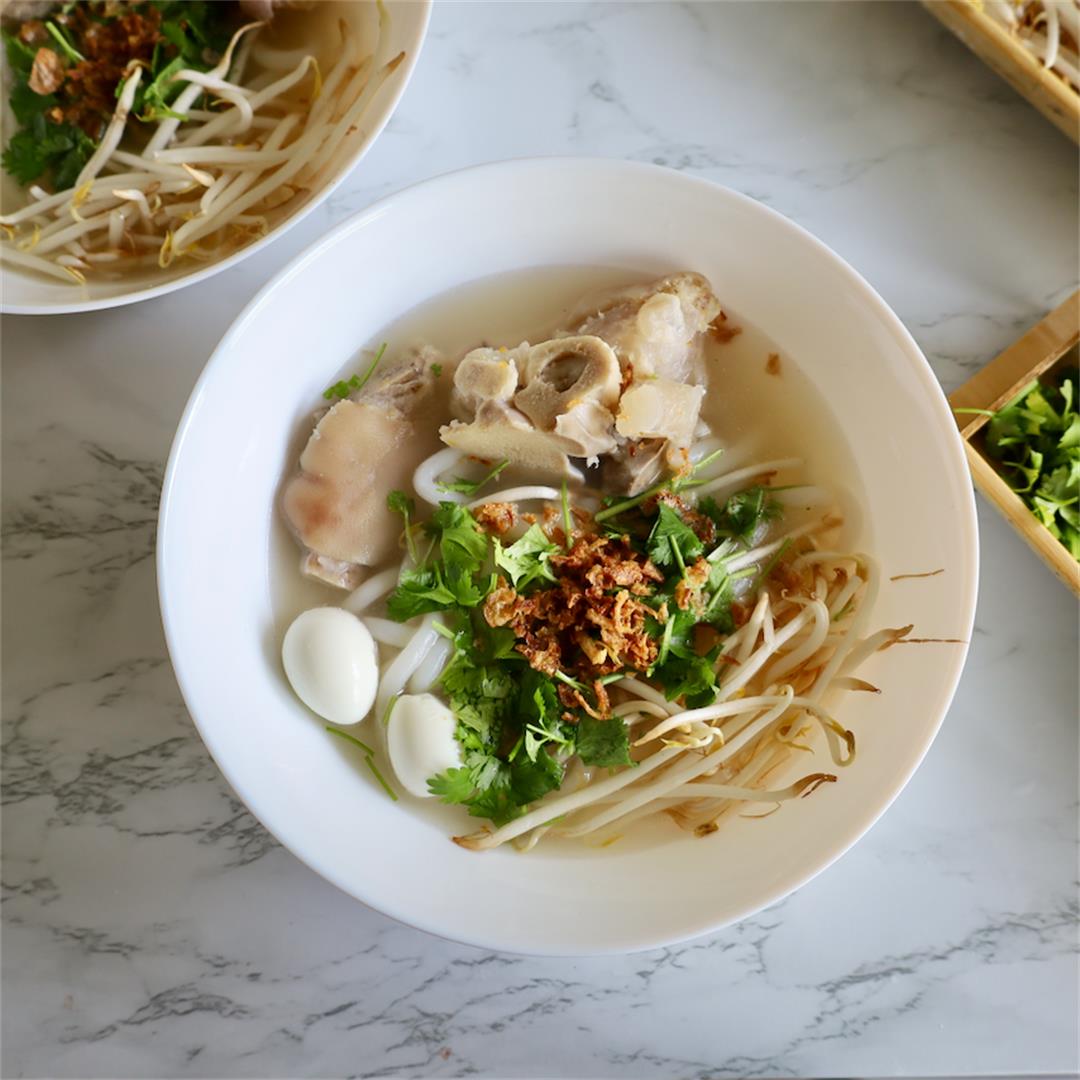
point(760, 410)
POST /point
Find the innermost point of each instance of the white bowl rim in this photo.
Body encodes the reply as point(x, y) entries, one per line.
point(390, 104)
point(936, 400)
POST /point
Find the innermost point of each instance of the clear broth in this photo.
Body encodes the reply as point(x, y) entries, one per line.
point(757, 414)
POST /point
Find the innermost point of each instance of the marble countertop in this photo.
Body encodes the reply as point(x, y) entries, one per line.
point(153, 929)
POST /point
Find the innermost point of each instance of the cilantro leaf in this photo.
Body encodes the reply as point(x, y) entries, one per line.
point(457, 532)
point(418, 592)
point(743, 513)
point(528, 559)
point(676, 635)
point(19, 55)
point(450, 582)
point(397, 502)
point(400, 503)
point(152, 102)
point(539, 711)
point(26, 104)
point(23, 157)
point(452, 786)
point(688, 676)
point(66, 170)
point(603, 742)
point(672, 542)
point(1036, 440)
point(532, 779)
point(717, 610)
point(497, 804)
point(42, 147)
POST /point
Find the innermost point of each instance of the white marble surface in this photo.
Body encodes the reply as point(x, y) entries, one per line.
point(151, 927)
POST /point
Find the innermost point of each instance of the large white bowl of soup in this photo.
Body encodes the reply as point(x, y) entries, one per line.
point(148, 148)
point(595, 569)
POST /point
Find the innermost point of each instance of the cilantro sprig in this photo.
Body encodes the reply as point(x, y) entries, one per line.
point(57, 132)
point(674, 484)
point(743, 514)
point(42, 146)
point(1035, 440)
point(517, 728)
point(344, 388)
point(369, 759)
point(471, 487)
point(528, 559)
point(672, 543)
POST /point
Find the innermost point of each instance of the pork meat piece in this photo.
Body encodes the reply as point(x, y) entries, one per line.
point(362, 448)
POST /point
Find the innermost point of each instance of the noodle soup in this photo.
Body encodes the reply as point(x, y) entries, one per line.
point(622, 589)
point(184, 140)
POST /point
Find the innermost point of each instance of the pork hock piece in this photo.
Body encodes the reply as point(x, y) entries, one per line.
point(362, 448)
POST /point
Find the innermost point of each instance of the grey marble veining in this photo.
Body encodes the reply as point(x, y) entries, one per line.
point(152, 928)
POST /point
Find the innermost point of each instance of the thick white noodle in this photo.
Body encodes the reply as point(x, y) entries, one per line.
point(533, 493)
point(431, 667)
point(400, 669)
point(703, 447)
point(805, 497)
point(428, 472)
point(375, 588)
point(388, 632)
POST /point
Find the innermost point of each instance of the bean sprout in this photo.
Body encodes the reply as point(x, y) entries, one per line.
point(285, 134)
point(1038, 26)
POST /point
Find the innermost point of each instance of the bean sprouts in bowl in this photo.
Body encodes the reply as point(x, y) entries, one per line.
point(224, 129)
point(847, 596)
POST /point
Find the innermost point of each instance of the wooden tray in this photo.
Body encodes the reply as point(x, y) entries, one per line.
point(997, 47)
point(1049, 343)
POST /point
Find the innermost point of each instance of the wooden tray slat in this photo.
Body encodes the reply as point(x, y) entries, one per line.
point(1000, 50)
point(996, 385)
point(1027, 358)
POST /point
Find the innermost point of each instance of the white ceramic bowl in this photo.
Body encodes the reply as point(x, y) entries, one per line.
point(26, 293)
point(217, 524)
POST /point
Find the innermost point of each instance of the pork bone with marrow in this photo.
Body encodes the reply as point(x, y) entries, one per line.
point(563, 409)
point(625, 383)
